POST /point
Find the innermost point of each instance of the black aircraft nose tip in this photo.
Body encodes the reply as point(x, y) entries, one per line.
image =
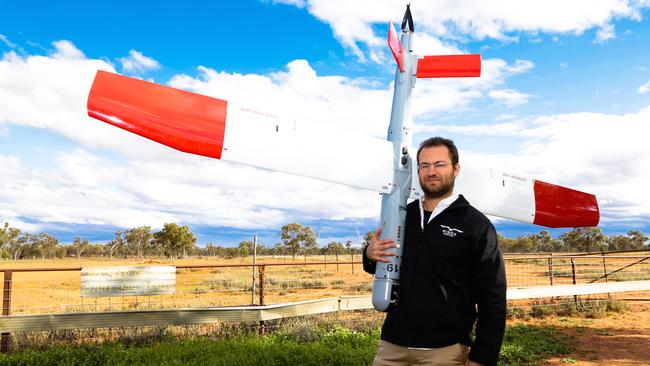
point(407, 22)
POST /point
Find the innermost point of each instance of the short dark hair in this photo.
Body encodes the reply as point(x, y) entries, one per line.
point(440, 141)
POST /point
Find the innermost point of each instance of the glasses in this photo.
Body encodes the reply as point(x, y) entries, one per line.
point(435, 166)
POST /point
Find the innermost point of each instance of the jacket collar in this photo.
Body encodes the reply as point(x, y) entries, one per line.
point(442, 205)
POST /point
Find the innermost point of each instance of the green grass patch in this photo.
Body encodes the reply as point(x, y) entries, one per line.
point(528, 345)
point(524, 345)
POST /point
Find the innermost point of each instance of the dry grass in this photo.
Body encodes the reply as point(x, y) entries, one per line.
point(55, 292)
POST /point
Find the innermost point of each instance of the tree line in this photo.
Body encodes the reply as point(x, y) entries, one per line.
point(589, 239)
point(175, 241)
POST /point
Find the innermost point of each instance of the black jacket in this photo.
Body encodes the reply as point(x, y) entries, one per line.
point(452, 275)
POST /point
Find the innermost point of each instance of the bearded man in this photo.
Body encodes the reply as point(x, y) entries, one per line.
point(452, 274)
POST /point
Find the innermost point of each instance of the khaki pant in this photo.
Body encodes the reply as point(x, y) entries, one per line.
point(389, 354)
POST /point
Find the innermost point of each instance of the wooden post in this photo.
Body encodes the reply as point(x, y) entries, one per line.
point(254, 265)
point(550, 268)
point(604, 267)
point(573, 273)
point(5, 338)
point(352, 253)
point(262, 278)
point(609, 296)
point(337, 261)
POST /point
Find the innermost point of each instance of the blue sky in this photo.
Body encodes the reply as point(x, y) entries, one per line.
point(564, 97)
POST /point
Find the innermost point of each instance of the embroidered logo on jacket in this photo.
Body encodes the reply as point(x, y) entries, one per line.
point(450, 231)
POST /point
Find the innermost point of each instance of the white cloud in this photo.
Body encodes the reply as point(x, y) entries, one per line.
point(156, 184)
point(299, 94)
point(598, 153)
point(51, 93)
point(441, 95)
point(509, 96)
point(6, 41)
point(426, 44)
point(644, 88)
point(138, 63)
point(353, 23)
point(505, 116)
point(605, 33)
point(67, 50)
point(520, 67)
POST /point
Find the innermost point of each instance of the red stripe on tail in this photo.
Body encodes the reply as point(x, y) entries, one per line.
point(557, 206)
point(186, 121)
point(449, 66)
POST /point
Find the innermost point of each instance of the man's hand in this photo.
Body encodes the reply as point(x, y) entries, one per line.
point(375, 250)
point(472, 363)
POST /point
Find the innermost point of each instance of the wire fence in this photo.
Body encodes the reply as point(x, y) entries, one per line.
point(549, 270)
point(58, 290)
point(49, 290)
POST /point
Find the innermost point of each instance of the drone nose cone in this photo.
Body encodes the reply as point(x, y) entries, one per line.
point(381, 292)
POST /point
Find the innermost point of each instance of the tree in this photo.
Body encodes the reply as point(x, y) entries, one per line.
point(635, 240)
point(295, 236)
point(310, 247)
point(116, 245)
point(618, 243)
point(9, 238)
point(348, 246)
point(175, 240)
point(138, 239)
point(335, 248)
point(245, 248)
point(279, 249)
point(95, 250)
point(79, 246)
point(367, 238)
point(214, 250)
point(44, 245)
point(18, 246)
point(545, 243)
point(505, 244)
point(523, 244)
point(584, 239)
point(638, 239)
point(263, 249)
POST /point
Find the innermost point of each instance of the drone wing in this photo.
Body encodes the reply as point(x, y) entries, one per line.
point(520, 198)
point(216, 128)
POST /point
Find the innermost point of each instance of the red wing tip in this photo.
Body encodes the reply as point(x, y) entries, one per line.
point(557, 206)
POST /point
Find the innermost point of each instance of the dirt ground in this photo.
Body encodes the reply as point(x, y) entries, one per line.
point(618, 339)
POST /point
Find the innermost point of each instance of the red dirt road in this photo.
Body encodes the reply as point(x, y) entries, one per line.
point(619, 339)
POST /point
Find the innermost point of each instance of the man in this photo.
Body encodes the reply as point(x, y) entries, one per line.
point(452, 274)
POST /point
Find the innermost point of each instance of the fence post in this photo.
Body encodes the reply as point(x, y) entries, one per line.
point(550, 267)
point(352, 253)
point(5, 338)
point(604, 267)
point(573, 274)
point(254, 265)
point(262, 280)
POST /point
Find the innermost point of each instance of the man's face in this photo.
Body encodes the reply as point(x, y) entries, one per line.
point(436, 173)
